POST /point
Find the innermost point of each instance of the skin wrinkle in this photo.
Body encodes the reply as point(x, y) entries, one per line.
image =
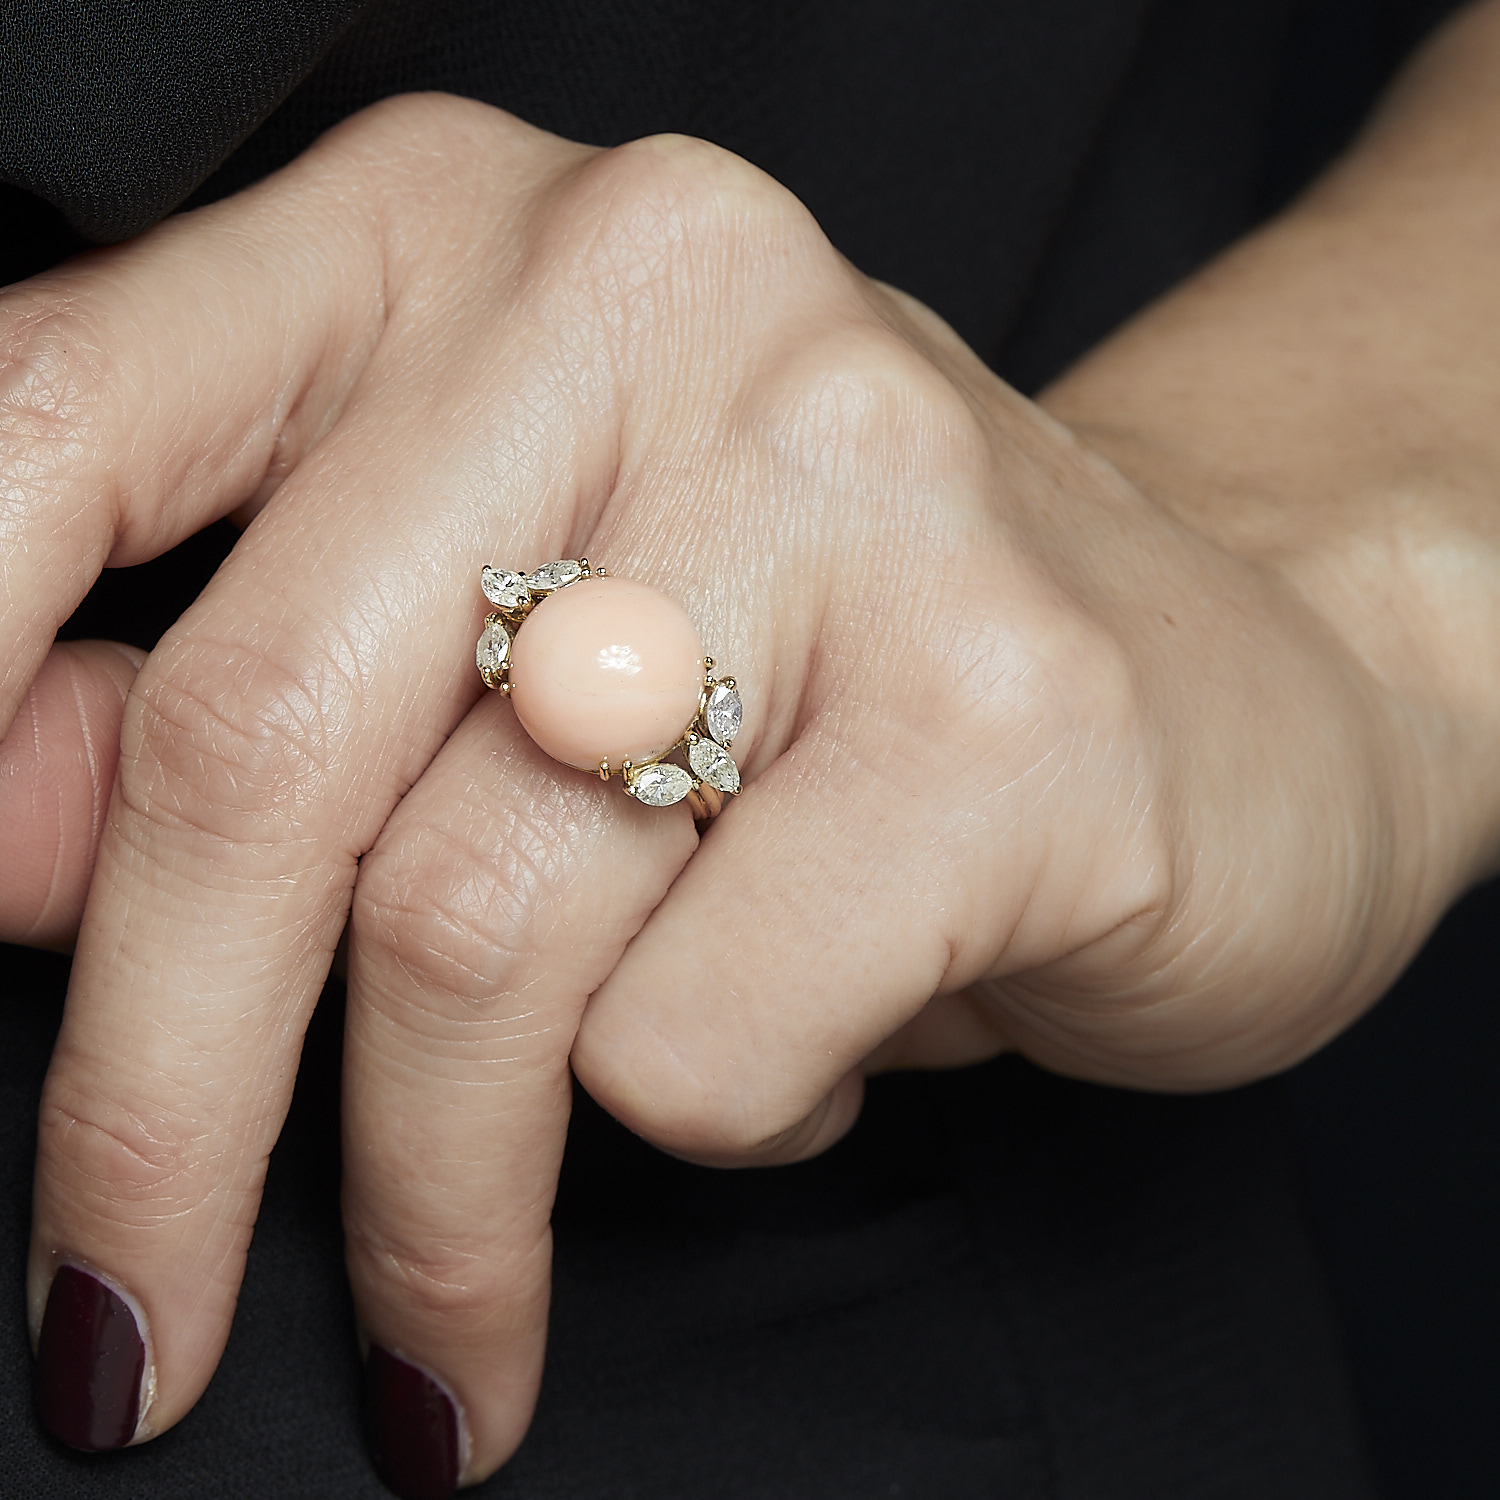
point(162, 1169)
point(338, 651)
point(511, 902)
point(1115, 1053)
point(276, 863)
point(24, 562)
point(453, 1286)
point(266, 765)
point(1184, 996)
point(484, 991)
point(168, 1157)
point(479, 1066)
point(169, 1142)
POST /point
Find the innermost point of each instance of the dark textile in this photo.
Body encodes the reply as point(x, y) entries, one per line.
point(1002, 1284)
point(114, 112)
point(1398, 1124)
point(1034, 172)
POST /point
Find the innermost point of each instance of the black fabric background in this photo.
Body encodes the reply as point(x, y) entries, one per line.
point(1002, 1284)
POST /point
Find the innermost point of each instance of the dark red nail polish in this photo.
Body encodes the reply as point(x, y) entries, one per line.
point(411, 1427)
point(89, 1363)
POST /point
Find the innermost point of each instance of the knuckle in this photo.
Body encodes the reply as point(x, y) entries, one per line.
point(447, 1282)
point(708, 1128)
point(693, 185)
point(135, 1162)
point(654, 1089)
point(857, 400)
point(422, 120)
point(231, 741)
point(1047, 696)
point(1028, 664)
point(1090, 676)
point(427, 127)
point(56, 398)
point(455, 910)
point(422, 146)
point(448, 922)
point(651, 227)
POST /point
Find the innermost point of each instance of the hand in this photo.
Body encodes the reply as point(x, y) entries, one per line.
point(1030, 760)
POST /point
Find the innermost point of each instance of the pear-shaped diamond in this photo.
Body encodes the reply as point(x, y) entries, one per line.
point(504, 589)
point(712, 764)
point(659, 785)
point(492, 653)
point(724, 714)
point(553, 576)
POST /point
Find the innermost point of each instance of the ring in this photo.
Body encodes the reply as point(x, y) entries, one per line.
point(606, 676)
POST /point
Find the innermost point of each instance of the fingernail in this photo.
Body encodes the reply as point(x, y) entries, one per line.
point(411, 1425)
point(89, 1362)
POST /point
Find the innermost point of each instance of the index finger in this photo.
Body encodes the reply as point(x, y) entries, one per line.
point(147, 390)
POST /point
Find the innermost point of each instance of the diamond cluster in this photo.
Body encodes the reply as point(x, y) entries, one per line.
point(657, 783)
point(514, 596)
point(706, 744)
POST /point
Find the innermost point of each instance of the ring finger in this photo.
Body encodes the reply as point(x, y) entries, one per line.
point(499, 896)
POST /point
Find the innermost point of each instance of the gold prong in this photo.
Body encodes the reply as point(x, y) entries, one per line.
point(601, 572)
point(708, 664)
point(604, 769)
point(504, 687)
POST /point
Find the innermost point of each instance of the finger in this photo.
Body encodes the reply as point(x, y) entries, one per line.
point(854, 881)
point(265, 743)
point(780, 915)
point(500, 894)
point(57, 768)
point(147, 389)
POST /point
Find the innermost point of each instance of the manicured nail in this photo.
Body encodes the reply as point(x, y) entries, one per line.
point(89, 1362)
point(411, 1426)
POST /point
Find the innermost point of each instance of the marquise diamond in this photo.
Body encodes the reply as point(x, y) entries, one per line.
point(660, 785)
point(712, 764)
point(724, 714)
point(492, 653)
point(554, 575)
point(504, 589)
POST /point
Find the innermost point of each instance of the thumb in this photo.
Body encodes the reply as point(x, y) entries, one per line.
point(57, 769)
